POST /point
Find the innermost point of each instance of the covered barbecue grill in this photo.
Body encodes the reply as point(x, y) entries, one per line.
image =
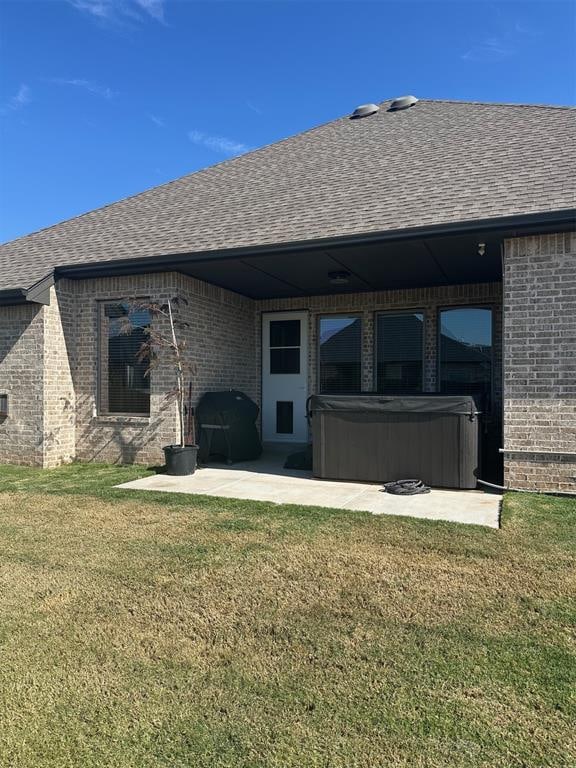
point(378, 438)
point(227, 427)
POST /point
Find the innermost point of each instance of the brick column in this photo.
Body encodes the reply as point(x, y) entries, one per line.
point(368, 373)
point(540, 362)
point(59, 397)
point(430, 349)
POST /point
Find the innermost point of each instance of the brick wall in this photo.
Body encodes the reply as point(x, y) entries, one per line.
point(21, 377)
point(540, 362)
point(220, 347)
point(35, 373)
point(49, 369)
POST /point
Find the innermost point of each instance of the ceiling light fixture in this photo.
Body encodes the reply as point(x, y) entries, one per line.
point(481, 249)
point(339, 278)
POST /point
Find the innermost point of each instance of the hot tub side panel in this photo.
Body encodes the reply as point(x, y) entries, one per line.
point(440, 449)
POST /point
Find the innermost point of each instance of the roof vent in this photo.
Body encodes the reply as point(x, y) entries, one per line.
point(402, 102)
point(364, 110)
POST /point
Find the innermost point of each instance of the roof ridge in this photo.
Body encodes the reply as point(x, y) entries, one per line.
point(496, 103)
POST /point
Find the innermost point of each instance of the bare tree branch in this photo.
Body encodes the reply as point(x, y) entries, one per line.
point(164, 345)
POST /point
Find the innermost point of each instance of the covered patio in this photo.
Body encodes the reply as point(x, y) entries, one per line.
point(415, 313)
point(266, 479)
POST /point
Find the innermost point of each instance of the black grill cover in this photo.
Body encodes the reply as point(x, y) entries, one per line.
point(227, 426)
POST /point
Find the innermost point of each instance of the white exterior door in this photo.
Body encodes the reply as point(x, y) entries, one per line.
point(284, 376)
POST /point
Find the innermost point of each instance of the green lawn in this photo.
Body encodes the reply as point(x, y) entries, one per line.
point(149, 629)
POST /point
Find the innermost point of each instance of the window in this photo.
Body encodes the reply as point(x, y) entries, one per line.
point(466, 353)
point(285, 346)
point(340, 355)
point(399, 352)
point(124, 385)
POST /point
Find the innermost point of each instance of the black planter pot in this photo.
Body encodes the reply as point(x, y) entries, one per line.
point(180, 461)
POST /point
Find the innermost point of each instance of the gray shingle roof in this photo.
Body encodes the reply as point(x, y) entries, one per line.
point(438, 162)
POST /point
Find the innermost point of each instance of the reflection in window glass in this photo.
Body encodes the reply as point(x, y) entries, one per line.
point(340, 354)
point(125, 387)
point(399, 352)
point(466, 353)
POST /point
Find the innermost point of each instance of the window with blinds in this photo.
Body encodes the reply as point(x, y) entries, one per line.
point(124, 385)
point(340, 354)
point(466, 353)
point(399, 352)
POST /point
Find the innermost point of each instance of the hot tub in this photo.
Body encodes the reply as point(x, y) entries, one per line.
point(378, 438)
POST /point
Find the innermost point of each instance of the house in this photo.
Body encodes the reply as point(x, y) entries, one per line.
point(427, 246)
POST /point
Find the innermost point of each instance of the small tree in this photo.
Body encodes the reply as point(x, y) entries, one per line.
point(165, 345)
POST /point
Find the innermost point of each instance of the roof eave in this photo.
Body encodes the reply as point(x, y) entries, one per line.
point(509, 225)
point(13, 296)
point(39, 293)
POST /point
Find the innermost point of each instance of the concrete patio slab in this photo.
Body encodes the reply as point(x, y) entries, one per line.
point(267, 480)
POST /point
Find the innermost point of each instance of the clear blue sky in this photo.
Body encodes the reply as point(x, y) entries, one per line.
point(100, 99)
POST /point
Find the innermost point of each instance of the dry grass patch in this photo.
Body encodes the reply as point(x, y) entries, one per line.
point(205, 632)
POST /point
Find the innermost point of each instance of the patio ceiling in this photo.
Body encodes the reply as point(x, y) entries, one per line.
point(374, 267)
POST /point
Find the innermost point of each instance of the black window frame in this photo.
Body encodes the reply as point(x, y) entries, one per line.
point(375, 342)
point(102, 338)
point(336, 315)
point(492, 308)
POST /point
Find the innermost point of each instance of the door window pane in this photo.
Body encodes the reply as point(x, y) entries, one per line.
point(399, 352)
point(284, 338)
point(285, 360)
point(340, 358)
point(466, 353)
point(285, 333)
point(124, 385)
